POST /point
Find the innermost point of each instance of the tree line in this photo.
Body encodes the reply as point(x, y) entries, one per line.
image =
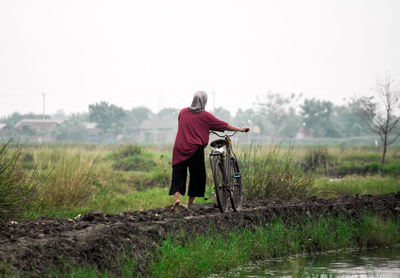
point(273, 115)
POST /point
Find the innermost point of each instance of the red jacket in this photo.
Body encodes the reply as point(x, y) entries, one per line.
point(193, 131)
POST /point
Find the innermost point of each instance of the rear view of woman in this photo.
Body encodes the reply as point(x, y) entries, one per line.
point(194, 125)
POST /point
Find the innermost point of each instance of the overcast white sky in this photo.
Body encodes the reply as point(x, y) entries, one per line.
point(157, 53)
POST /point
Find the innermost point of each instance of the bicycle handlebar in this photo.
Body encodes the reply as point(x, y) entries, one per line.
point(225, 134)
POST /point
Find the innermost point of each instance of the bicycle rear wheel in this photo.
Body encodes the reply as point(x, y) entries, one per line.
point(219, 185)
point(236, 195)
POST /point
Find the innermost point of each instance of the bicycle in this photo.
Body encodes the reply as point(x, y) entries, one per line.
point(226, 173)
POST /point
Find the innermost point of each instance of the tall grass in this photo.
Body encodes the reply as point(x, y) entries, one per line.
point(16, 187)
point(317, 158)
point(67, 178)
point(81, 178)
point(273, 173)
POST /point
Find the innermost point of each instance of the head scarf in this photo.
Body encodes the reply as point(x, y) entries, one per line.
point(199, 102)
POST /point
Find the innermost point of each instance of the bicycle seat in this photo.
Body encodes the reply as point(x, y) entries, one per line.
point(218, 143)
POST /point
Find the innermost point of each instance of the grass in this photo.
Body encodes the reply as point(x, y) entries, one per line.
point(273, 173)
point(16, 187)
point(66, 178)
point(345, 160)
point(326, 187)
point(73, 179)
point(203, 255)
point(130, 157)
point(121, 266)
point(273, 240)
point(114, 202)
point(79, 180)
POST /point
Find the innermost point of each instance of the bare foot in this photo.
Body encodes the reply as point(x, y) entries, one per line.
point(190, 202)
point(175, 205)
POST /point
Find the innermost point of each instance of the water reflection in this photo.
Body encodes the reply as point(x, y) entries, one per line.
point(383, 263)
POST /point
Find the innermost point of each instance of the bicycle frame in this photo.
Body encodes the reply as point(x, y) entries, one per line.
point(225, 158)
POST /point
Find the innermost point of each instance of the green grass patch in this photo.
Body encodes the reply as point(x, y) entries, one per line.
point(202, 255)
point(230, 249)
point(347, 160)
point(326, 187)
point(131, 157)
point(114, 202)
point(73, 179)
point(122, 266)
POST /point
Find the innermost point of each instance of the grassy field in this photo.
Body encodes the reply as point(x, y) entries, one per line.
point(67, 180)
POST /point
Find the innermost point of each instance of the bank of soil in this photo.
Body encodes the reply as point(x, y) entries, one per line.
point(33, 248)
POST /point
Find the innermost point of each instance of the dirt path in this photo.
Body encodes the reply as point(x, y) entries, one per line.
point(32, 248)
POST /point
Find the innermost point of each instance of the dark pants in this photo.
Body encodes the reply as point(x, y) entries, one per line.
point(197, 171)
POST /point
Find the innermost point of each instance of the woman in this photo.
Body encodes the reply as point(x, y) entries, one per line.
point(194, 125)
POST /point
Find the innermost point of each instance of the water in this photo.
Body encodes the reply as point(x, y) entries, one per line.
point(383, 263)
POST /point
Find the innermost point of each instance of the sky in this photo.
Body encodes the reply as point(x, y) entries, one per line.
point(158, 53)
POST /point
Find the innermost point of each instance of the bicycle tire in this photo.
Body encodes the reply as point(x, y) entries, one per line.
point(219, 177)
point(236, 194)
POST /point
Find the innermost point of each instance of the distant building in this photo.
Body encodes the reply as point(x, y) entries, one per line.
point(157, 131)
point(37, 130)
point(92, 132)
point(38, 124)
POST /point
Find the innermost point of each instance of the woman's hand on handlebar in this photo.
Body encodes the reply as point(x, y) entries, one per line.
point(233, 128)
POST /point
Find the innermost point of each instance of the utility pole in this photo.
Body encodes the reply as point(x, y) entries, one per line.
point(43, 95)
point(213, 95)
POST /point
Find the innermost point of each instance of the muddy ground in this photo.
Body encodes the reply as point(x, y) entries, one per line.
point(33, 248)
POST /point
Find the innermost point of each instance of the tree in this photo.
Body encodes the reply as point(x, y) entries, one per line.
point(276, 110)
point(292, 124)
point(168, 113)
point(109, 118)
point(243, 117)
point(71, 130)
point(222, 114)
point(382, 112)
point(347, 121)
point(317, 118)
point(59, 115)
point(135, 117)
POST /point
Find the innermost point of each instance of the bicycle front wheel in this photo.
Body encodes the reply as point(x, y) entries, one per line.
point(220, 185)
point(236, 190)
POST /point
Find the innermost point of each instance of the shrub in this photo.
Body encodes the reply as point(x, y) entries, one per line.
point(16, 188)
point(392, 169)
point(131, 158)
point(349, 168)
point(372, 168)
point(317, 158)
point(127, 150)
